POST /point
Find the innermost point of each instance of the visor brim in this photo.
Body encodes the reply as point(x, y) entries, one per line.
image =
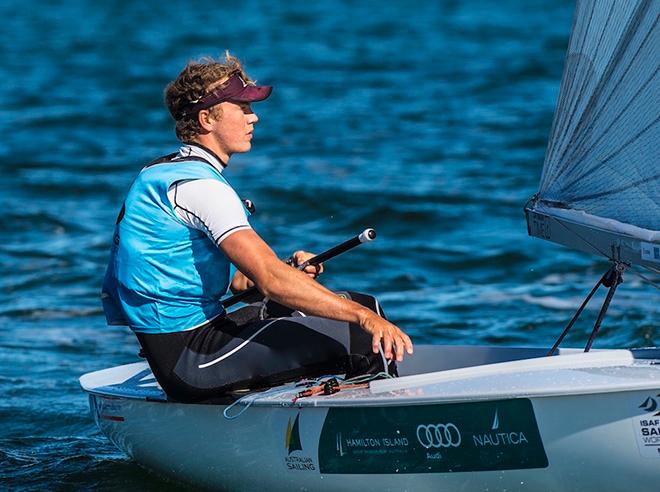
point(253, 93)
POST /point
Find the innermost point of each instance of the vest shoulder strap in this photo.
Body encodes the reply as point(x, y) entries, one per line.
point(173, 158)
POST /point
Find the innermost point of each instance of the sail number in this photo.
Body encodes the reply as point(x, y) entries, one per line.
point(541, 226)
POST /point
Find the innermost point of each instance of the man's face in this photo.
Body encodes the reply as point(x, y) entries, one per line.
point(233, 130)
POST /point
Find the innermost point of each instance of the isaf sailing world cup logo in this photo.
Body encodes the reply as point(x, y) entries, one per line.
point(651, 405)
point(438, 435)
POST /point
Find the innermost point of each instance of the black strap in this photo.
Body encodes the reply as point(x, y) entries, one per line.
point(174, 157)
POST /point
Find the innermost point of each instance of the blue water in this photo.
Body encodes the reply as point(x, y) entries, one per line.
point(427, 121)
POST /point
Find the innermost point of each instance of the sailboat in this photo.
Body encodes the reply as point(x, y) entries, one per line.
point(466, 417)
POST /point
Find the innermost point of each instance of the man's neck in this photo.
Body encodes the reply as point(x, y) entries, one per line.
point(207, 142)
point(199, 150)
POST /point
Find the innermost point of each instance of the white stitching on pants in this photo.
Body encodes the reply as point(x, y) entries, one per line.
point(233, 351)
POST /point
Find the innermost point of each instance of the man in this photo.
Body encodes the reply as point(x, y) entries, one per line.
point(183, 238)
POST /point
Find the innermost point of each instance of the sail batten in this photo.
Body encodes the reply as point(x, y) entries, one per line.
point(610, 125)
point(611, 156)
point(585, 68)
point(616, 190)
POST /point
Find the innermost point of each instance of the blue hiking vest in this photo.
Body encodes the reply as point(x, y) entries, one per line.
point(163, 276)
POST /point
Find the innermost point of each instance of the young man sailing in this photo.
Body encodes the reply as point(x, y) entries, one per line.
point(183, 238)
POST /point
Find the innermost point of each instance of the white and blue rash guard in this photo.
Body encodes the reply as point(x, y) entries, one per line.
point(166, 272)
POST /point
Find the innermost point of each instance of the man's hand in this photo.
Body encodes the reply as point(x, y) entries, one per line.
point(392, 336)
point(240, 282)
point(292, 288)
point(300, 257)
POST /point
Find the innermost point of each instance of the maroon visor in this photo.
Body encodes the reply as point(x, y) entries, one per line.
point(235, 89)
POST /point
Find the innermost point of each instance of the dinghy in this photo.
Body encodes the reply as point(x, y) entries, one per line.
point(465, 417)
point(458, 418)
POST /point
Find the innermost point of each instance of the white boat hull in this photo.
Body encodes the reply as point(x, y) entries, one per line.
point(606, 440)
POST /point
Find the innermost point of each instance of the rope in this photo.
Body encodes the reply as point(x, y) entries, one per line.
point(251, 398)
point(613, 285)
point(329, 387)
point(612, 278)
point(647, 280)
point(576, 315)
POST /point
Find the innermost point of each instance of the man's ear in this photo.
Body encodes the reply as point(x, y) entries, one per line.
point(205, 119)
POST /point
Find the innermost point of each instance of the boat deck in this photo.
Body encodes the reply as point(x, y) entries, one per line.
point(439, 374)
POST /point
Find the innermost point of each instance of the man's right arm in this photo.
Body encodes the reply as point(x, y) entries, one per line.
point(294, 289)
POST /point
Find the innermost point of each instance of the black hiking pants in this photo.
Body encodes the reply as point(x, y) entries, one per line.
point(242, 351)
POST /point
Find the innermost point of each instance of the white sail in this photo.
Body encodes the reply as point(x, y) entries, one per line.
point(600, 187)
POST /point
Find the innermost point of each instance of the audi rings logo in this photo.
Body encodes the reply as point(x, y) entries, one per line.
point(439, 436)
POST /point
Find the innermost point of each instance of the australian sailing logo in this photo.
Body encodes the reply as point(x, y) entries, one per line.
point(292, 437)
point(496, 437)
point(292, 444)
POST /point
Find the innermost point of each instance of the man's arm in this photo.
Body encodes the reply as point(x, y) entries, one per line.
point(240, 282)
point(294, 289)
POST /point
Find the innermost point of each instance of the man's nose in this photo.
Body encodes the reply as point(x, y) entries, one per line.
point(252, 118)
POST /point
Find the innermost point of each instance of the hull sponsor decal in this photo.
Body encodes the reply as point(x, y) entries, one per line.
point(295, 459)
point(105, 408)
point(456, 437)
point(647, 427)
point(650, 252)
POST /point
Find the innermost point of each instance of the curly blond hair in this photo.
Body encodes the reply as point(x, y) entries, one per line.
point(196, 80)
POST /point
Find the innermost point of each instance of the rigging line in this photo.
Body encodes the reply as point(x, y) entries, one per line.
point(651, 282)
point(581, 90)
point(600, 282)
point(617, 273)
point(606, 255)
point(617, 190)
point(607, 72)
point(576, 315)
point(647, 280)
